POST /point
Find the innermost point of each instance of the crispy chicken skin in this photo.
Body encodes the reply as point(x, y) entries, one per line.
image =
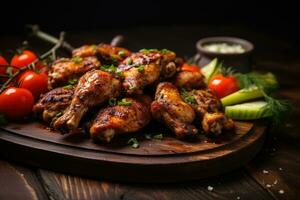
point(65, 69)
point(93, 88)
point(106, 53)
point(169, 108)
point(205, 101)
point(208, 107)
point(189, 79)
point(215, 123)
point(144, 68)
point(53, 104)
point(118, 119)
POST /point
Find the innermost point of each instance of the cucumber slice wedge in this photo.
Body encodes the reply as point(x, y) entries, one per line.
point(210, 69)
point(242, 96)
point(248, 111)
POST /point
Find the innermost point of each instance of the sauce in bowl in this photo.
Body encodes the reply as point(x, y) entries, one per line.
point(222, 47)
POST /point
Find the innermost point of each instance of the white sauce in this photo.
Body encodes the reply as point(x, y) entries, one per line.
point(224, 48)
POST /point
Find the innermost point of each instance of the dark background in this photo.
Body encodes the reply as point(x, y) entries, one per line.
point(278, 19)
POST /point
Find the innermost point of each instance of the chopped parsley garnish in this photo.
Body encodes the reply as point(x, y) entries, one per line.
point(77, 59)
point(68, 87)
point(122, 54)
point(109, 68)
point(141, 68)
point(134, 143)
point(149, 50)
point(187, 97)
point(158, 136)
point(166, 51)
point(58, 114)
point(121, 74)
point(112, 101)
point(129, 61)
point(131, 87)
point(150, 136)
point(163, 51)
point(73, 81)
point(124, 102)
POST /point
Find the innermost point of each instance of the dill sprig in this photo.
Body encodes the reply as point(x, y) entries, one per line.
point(280, 110)
point(267, 82)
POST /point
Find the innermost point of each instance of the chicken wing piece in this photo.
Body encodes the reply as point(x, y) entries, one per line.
point(170, 108)
point(94, 88)
point(121, 119)
point(106, 53)
point(65, 69)
point(208, 107)
point(144, 68)
point(52, 104)
point(215, 123)
point(202, 101)
point(189, 79)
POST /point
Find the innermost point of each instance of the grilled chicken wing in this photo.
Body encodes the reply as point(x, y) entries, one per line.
point(65, 69)
point(94, 88)
point(205, 101)
point(121, 119)
point(52, 104)
point(169, 108)
point(208, 107)
point(189, 79)
point(144, 68)
point(214, 123)
point(106, 53)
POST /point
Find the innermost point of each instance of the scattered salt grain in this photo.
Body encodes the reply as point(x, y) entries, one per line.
point(275, 182)
point(210, 188)
point(265, 171)
point(238, 198)
point(281, 191)
point(280, 169)
point(268, 185)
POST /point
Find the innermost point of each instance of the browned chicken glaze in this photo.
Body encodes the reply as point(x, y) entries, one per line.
point(170, 108)
point(94, 88)
point(144, 68)
point(204, 101)
point(52, 104)
point(208, 107)
point(189, 79)
point(121, 119)
point(65, 69)
point(215, 123)
point(105, 52)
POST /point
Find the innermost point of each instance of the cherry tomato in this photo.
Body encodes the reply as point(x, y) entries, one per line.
point(223, 86)
point(16, 103)
point(23, 59)
point(190, 68)
point(3, 67)
point(36, 83)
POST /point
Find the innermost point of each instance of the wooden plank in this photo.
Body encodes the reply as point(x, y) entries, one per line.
point(236, 185)
point(19, 183)
point(277, 168)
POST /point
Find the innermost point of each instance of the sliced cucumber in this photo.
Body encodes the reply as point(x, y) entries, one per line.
point(248, 111)
point(242, 96)
point(210, 69)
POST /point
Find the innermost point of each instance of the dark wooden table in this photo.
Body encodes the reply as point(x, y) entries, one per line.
point(273, 174)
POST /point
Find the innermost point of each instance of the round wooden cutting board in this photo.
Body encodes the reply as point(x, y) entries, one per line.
point(156, 160)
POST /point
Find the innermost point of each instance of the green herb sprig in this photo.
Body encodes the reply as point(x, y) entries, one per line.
point(134, 143)
point(187, 97)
